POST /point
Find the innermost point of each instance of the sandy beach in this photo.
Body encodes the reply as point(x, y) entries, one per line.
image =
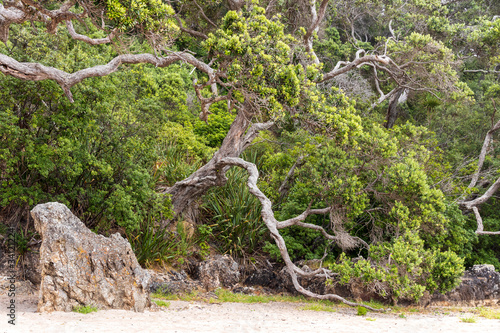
point(183, 316)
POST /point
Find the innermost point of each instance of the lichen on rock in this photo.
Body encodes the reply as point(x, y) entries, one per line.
point(79, 267)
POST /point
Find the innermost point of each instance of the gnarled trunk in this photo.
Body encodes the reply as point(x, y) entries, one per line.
point(185, 193)
point(393, 109)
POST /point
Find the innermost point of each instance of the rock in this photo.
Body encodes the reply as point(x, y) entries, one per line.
point(219, 271)
point(79, 267)
point(265, 278)
point(480, 286)
point(30, 266)
point(173, 282)
point(20, 287)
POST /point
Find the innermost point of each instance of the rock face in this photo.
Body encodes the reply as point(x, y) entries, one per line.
point(480, 286)
point(79, 267)
point(219, 271)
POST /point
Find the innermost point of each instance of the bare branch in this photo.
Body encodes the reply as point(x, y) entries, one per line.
point(482, 155)
point(204, 15)
point(272, 224)
point(482, 199)
point(190, 31)
point(56, 16)
point(481, 71)
point(38, 72)
point(7, 17)
point(472, 204)
point(87, 39)
point(236, 4)
point(480, 227)
point(354, 64)
point(252, 133)
point(289, 175)
point(317, 17)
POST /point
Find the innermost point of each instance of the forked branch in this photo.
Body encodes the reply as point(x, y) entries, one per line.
point(473, 204)
point(273, 225)
point(316, 18)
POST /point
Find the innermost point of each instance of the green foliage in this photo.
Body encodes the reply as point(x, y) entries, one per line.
point(404, 269)
point(380, 187)
point(468, 320)
point(215, 129)
point(84, 309)
point(235, 214)
point(180, 153)
point(161, 303)
point(146, 16)
point(362, 311)
point(332, 49)
point(21, 240)
point(95, 155)
point(153, 244)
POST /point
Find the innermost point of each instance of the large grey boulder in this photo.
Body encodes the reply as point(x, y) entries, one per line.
point(79, 267)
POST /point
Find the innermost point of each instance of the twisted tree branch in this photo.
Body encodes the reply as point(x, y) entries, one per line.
point(273, 225)
point(38, 72)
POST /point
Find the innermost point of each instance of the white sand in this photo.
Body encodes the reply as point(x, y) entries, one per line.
point(233, 317)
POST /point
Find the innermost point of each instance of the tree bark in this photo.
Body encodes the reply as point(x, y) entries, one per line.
point(186, 193)
point(393, 109)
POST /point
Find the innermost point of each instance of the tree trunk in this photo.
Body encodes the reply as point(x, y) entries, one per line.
point(393, 109)
point(185, 193)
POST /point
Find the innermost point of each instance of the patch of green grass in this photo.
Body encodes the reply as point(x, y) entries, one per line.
point(402, 316)
point(362, 311)
point(371, 319)
point(85, 309)
point(468, 320)
point(161, 303)
point(224, 295)
point(488, 313)
point(318, 307)
point(227, 296)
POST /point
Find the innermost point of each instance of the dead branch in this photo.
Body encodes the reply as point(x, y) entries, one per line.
point(236, 4)
point(7, 17)
point(284, 185)
point(204, 15)
point(473, 204)
point(482, 155)
point(482, 199)
point(481, 71)
point(190, 31)
point(480, 227)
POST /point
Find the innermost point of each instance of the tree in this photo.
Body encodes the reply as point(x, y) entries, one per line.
point(268, 77)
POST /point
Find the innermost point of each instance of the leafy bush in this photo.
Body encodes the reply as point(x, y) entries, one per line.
point(235, 214)
point(94, 155)
point(156, 245)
